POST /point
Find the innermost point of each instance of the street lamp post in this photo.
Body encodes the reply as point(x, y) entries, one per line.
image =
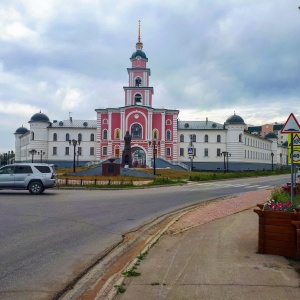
point(74, 143)
point(32, 152)
point(272, 157)
point(280, 160)
point(41, 153)
point(154, 145)
point(226, 155)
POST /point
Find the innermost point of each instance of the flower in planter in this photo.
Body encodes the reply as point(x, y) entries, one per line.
point(280, 201)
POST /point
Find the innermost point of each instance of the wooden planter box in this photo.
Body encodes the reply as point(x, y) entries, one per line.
point(279, 232)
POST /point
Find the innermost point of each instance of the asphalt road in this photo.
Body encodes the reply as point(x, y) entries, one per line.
point(47, 240)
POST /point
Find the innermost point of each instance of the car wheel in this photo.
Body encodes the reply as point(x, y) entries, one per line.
point(36, 188)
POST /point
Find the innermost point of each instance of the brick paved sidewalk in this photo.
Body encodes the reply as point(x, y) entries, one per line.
point(217, 209)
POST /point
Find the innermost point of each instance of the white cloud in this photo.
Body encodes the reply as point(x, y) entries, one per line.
point(207, 58)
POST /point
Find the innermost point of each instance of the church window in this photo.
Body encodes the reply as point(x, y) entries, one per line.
point(104, 121)
point(181, 151)
point(92, 151)
point(117, 134)
point(32, 135)
point(67, 151)
point(137, 99)
point(168, 135)
point(104, 151)
point(218, 152)
point(181, 139)
point(136, 131)
point(168, 122)
point(218, 138)
point(105, 134)
point(92, 138)
point(206, 138)
point(54, 137)
point(206, 152)
point(79, 137)
point(168, 151)
point(67, 137)
point(155, 134)
point(138, 82)
point(54, 151)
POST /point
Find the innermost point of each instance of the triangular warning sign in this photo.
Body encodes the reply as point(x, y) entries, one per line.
point(291, 125)
point(296, 140)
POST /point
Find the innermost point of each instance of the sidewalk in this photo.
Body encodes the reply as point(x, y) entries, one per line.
point(216, 260)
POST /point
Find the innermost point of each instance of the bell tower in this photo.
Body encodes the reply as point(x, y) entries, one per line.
point(138, 91)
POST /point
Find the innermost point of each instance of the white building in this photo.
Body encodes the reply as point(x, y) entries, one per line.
point(216, 146)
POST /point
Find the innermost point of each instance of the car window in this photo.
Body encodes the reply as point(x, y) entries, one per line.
point(43, 169)
point(7, 170)
point(23, 170)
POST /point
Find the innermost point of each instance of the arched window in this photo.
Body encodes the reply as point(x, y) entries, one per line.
point(240, 137)
point(32, 135)
point(182, 138)
point(104, 121)
point(136, 131)
point(168, 122)
point(206, 138)
point(168, 135)
point(117, 134)
point(92, 137)
point(218, 138)
point(155, 134)
point(105, 134)
point(79, 137)
point(67, 137)
point(137, 99)
point(138, 82)
point(55, 137)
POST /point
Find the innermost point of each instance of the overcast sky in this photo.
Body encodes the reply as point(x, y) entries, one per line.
point(208, 58)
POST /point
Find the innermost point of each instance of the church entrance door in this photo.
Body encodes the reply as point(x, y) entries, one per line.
point(138, 157)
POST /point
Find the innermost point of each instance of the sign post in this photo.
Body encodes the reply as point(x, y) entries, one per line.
point(291, 126)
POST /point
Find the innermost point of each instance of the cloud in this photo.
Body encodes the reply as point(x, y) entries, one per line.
point(207, 58)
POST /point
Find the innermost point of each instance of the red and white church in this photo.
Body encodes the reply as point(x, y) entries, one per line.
point(147, 125)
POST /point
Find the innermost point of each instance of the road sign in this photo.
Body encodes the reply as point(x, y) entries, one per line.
point(291, 125)
point(191, 151)
point(296, 140)
point(296, 156)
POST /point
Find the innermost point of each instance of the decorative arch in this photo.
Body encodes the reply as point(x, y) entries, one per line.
point(168, 122)
point(104, 121)
point(137, 99)
point(138, 81)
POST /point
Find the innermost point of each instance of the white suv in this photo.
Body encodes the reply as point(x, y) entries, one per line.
point(28, 176)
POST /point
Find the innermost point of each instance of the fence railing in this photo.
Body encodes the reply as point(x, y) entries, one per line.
point(97, 182)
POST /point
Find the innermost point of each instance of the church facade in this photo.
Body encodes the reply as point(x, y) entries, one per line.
point(153, 131)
